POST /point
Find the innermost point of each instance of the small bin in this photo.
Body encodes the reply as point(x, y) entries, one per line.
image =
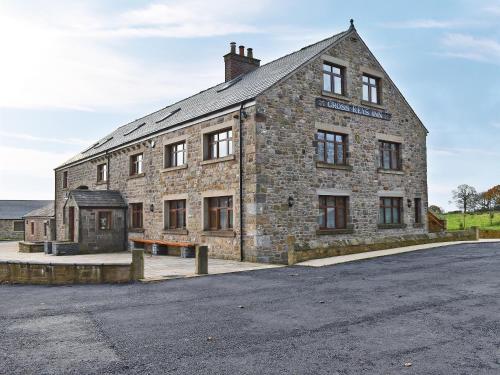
point(47, 247)
point(187, 252)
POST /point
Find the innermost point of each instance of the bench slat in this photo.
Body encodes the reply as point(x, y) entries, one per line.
point(161, 242)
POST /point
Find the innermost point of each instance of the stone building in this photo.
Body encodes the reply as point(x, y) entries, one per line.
point(11, 217)
point(314, 150)
point(40, 224)
point(95, 220)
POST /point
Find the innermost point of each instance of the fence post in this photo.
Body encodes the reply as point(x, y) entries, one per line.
point(137, 264)
point(201, 262)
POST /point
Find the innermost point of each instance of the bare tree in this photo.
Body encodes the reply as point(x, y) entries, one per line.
point(465, 197)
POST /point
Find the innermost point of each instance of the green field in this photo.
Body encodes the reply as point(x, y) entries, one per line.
point(481, 220)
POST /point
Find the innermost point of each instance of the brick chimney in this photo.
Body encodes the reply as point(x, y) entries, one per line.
point(238, 63)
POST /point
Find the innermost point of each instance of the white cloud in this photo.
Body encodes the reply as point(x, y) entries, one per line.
point(64, 55)
point(493, 9)
point(472, 48)
point(496, 125)
point(422, 24)
point(28, 137)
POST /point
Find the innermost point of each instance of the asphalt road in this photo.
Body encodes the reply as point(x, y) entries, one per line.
point(438, 310)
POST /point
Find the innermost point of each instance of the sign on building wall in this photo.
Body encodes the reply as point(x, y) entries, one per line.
point(363, 111)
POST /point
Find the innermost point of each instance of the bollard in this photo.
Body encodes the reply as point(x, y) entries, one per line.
point(137, 264)
point(201, 263)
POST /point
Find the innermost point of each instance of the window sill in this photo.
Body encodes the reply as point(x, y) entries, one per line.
point(335, 96)
point(218, 233)
point(334, 231)
point(374, 105)
point(321, 164)
point(390, 171)
point(136, 230)
point(218, 160)
point(101, 183)
point(176, 231)
point(418, 225)
point(136, 176)
point(391, 226)
point(170, 169)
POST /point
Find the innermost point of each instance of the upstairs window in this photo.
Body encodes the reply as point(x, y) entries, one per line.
point(65, 180)
point(333, 79)
point(390, 155)
point(332, 212)
point(332, 148)
point(220, 213)
point(176, 211)
point(136, 215)
point(390, 210)
point(136, 164)
point(175, 155)
point(220, 144)
point(102, 172)
point(104, 220)
point(371, 89)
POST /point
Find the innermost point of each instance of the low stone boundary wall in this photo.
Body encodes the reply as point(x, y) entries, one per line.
point(347, 247)
point(30, 247)
point(61, 273)
point(488, 233)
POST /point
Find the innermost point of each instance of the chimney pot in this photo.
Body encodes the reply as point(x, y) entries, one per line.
point(237, 64)
point(242, 50)
point(233, 47)
point(250, 53)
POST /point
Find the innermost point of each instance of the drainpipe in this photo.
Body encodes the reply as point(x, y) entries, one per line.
point(107, 170)
point(241, 178)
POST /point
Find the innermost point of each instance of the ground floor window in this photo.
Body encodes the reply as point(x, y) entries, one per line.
point(220, 213)
point(18, 226)
point(390, 210)
point(175, 214)
point(45, 229)
point(104, 220)
point(32, 227)
point(136, 215)
point(332, 212)
point(418, 210)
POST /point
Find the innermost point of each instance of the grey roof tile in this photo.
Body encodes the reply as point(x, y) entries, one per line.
point(16, 209)
point(46, 211)
point(98, 198)
point(211, 100)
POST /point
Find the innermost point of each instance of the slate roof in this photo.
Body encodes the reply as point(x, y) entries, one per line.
point(15, 210)
point(98, 198)
point(46, 211)
point(245, 88)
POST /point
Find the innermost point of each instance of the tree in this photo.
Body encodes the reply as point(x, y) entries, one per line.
point(465, 197)
point(436, 209)
point(493, 197)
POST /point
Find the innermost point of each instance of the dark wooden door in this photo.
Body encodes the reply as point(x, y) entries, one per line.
point(71, 221)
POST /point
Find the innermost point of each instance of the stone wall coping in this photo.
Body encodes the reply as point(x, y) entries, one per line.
point(41, 263)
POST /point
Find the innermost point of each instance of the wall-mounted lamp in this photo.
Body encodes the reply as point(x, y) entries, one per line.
point(152, 208)
point(408, 202)
point(290, 201)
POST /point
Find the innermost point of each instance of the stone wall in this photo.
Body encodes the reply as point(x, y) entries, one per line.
point(355, 246)
point(195, 182)
point(43, 229)
point(7, 230)
point(488, 233)
point(93, 240)
point(286, 125)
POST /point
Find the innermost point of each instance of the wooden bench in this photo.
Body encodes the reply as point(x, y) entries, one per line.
point(179, 245)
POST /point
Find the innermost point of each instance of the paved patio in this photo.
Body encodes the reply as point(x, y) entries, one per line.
point(155, 267)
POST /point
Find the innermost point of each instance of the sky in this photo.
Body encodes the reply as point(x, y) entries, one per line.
point(73, 71)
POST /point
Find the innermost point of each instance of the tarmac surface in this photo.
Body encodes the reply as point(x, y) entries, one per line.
point(433, 311)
